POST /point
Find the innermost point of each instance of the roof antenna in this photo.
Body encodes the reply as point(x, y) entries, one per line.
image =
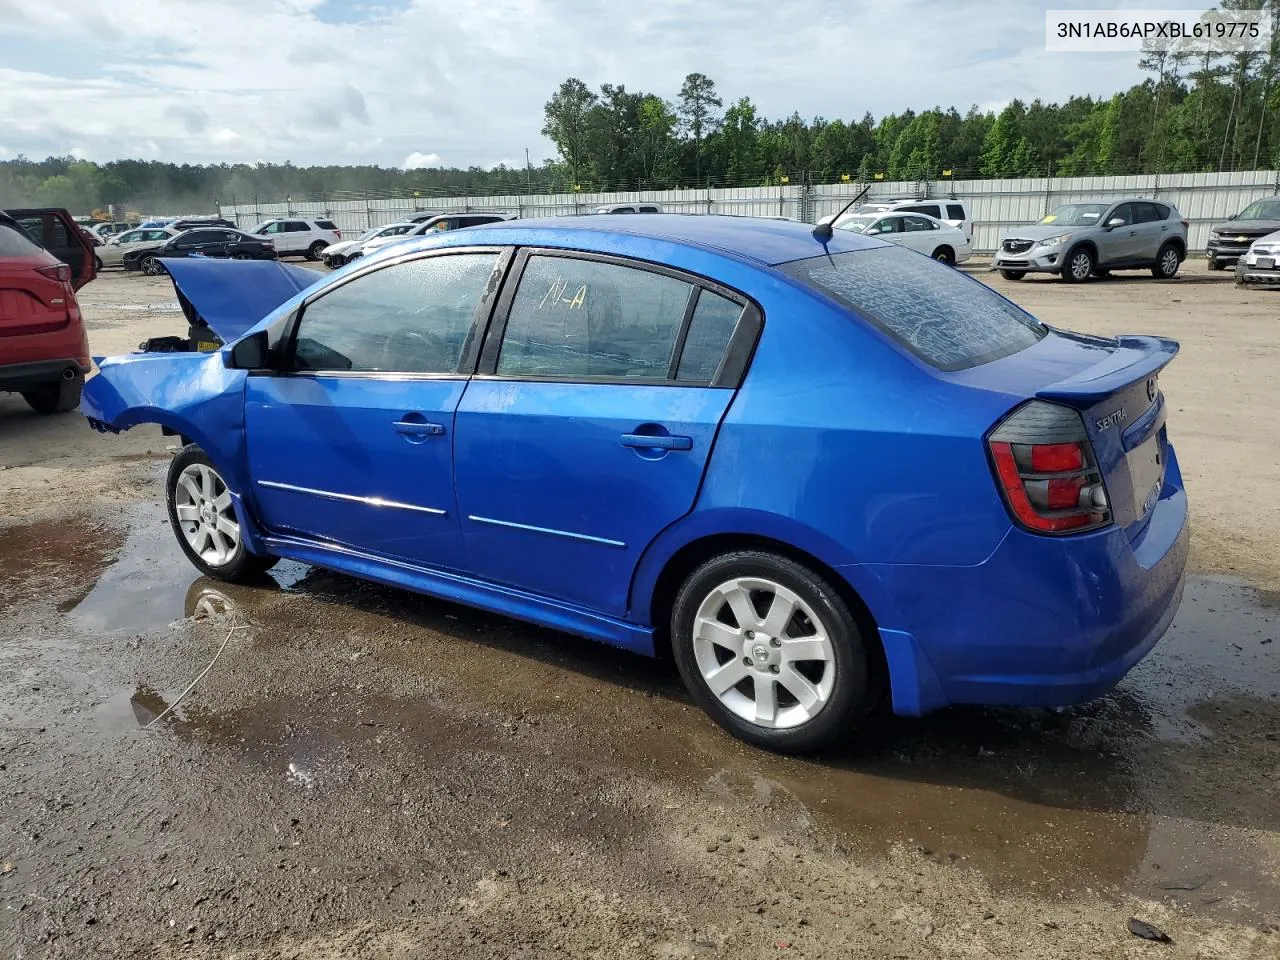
point(826, 230)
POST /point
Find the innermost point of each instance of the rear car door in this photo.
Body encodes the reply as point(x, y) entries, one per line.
point(1153, 228)
point(57, 232)
point(587, 427)
point(351, 442)
point(920, 234)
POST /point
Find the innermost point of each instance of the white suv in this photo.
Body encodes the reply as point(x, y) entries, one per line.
point(299, 238)
point(950, 211)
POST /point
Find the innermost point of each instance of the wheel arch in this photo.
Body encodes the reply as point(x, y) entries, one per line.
point(1177, 242)
point(658, 602)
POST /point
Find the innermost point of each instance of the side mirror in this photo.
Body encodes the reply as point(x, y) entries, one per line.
point(1233, 216)
point(1115, 222)
point(249, 353)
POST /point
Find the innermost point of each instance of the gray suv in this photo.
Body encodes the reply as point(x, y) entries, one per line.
point(1080, 240)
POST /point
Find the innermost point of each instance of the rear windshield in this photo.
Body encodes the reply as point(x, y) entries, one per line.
point(943, 317)
point(14, 241)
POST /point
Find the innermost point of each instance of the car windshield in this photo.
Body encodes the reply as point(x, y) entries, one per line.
point(945, 318)
point(1261, 210)
point(857, 224)
point(370, 233)
point(1076, 215)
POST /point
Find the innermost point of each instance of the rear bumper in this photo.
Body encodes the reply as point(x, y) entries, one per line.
point(1041, 622)
point(24, 376)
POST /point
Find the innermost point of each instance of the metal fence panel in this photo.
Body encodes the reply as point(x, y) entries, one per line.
point(995, 205)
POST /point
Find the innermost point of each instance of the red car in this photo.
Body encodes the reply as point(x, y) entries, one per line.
point(44, 353)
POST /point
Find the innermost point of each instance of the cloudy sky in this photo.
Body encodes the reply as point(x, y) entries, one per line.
point(461, 82)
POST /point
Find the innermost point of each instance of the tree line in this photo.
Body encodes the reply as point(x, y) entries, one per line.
point(1194, 111)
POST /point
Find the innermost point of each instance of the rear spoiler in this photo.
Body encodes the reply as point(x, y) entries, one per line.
point(1134, 358)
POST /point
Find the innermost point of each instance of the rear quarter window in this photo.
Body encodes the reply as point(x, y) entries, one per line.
point(955, 211)
point(934, 311)
point(326, 225)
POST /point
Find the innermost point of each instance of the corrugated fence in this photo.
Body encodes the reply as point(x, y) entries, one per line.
point(996, 205)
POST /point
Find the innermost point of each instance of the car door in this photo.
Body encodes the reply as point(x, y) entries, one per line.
point(587, 427)
point(57, 232)
point(351, 441)
point(887, 228)
point(1120, 243)
point(1153, 229)
point(919, 234)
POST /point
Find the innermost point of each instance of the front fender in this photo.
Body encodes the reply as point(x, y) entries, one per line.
point(192, 394)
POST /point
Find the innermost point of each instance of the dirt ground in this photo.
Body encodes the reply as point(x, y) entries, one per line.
point(366, 773)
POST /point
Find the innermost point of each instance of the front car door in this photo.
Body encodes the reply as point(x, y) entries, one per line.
point(588, 424)
point(1120, 243)
point(887, 228)
point(352, 441)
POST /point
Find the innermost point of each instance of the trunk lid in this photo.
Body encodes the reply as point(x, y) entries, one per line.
point(1113, 384)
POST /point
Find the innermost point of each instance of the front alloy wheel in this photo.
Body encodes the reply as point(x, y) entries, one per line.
point(770, 650)
point(202, 513)
point(1079, 266)
point(152, 267)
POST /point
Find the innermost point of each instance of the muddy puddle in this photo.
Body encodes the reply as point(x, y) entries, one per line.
point(1166, 787)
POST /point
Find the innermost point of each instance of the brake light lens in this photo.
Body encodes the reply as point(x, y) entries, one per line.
point(56, 272)
point(1045, 468)
point(1185, 222)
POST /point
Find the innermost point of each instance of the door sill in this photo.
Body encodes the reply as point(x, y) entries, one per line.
point(467, 591)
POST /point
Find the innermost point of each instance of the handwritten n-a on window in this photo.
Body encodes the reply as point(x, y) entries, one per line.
point(555, 295)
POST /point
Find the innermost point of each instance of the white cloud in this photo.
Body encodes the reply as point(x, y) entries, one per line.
point(420, 161)
point(291, 86)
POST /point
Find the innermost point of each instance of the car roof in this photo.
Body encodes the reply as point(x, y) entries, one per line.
point(766, 242)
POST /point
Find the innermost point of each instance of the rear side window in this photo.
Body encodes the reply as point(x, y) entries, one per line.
point(15, 243)
point(410, 317)
point(1151, 212)
point(326, 225)
point(574, 318)
point(649, 210)
point(714, 320)
point(955, 211)
point(929, 209)
point(946, 319)
point(296, 226)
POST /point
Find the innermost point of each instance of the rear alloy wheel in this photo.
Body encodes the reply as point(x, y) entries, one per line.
point(314, 251)
point(770, 651)
point(1013, 274)
point(945, 255)
point(56, 396)
point(1167, 261)
point(152, 266)
point(203, 516)
point(1078, 266)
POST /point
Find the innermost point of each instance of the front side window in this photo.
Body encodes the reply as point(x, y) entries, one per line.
point(887, 225)
point(574, 319)
point(411, 317)
point(1123, 212)
point(937, 313)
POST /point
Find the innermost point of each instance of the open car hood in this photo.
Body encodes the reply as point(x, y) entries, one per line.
point(231, 296)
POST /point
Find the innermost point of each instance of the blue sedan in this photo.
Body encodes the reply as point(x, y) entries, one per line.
point(815, 470)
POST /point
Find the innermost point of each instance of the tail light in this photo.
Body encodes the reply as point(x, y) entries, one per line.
point(1185, 222)
point(58, 271)
point(1045, 468)
point(338, 232)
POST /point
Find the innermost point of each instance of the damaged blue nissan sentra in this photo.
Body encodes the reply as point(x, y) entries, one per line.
point(815, 468)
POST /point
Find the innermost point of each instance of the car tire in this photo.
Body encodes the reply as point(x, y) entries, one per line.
point(56, 396)
point(762, 703)
point(945, 254)
point(1078, 265)
point(1240, 268)
point(202, 515)
point(1013, 274)
point(314, 251)
point(98, 265)
point(1167, 262)
point(151, 266)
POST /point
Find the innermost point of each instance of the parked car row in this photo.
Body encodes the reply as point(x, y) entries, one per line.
point(344, 252)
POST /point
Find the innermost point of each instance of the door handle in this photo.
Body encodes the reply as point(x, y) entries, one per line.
point(419, 429)
point(644, 441)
